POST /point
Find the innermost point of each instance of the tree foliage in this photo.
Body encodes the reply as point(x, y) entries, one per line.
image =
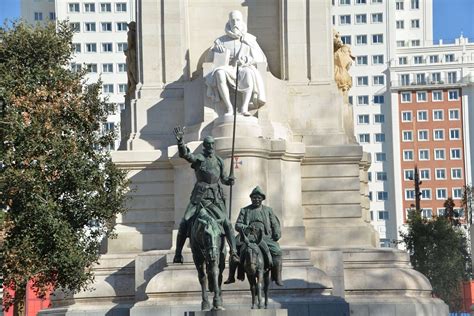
point(439, 250)
point(61, 191)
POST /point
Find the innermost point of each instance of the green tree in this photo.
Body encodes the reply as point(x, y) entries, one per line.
point(449, 213)
point(61, 191)
point(439, 251)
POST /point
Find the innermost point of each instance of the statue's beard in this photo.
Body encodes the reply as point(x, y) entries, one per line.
point(208, 151)
point(235, 31)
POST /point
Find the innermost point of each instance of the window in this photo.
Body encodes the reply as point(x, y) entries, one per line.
point(438, 134)
point(437, 96)
point(420, 79)
point(344, 19)
point(379, 80)
point(454, 134)
point(380, 157)
point(409, 174)
point(121, 7)
point(456, 173)
point(408, 155)
point(108, 88)
point(377, 59)
point(438, 115)
point(409, 194)
point(382, 196)
point(108, 68)
point(379, 137)
point(370, 196)
point(107, 47)
point(106, 26)
point(457, 193)
point(459, 212)
point(371, 215)
point(361, 18)
point(401, 43)
point(406, 116)
point(122, 67)
point(363, 81)
point(377, 1)
point(423, 135)
point(415, 4)
point(363, 119)
point(377, 38)
point(344, 2)
point(91, 47)
point(415, 43)
point(441, 211)
point(52, 16)
point(400, 24)
point(73, 7)
point(399, 5)
point(405, 79)
point(422, 115)
point(406, 97)
point(369, 176)
point(38, 16)
point(121, 47)
point(453, 95)
point(105, 7)
point(75, 26)
point(75, 67)
point(407, 136)
point(333, 20)
point(379, 118)
point(361, 60)
point(377, 17)
point(434, 59)
point(454, 114)
point(436, 77)
point(424, 154)
point(364, 138)
point(76, 47)
point(426, 212)
point(89, 7)
point(402, 60)
point(122, 26)
point(381, 176)
point(379, 99)
point(418, 60)
point(92, 68)
point(455, 153)
point(361, 1)
point(440, 173)
point(425, 174)
point(425, 194)
point(122, 88)
point(361, 39)
point(440, 154)
point(449, 58)
point(89, 27)
point(363, 100)
point(383, 215)
point(415, 24)
point(452, 77)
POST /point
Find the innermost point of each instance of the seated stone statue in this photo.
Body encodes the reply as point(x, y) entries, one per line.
point(241, 51)
point(261, 217)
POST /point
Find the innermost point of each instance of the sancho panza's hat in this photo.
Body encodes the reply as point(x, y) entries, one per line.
point(258, 191)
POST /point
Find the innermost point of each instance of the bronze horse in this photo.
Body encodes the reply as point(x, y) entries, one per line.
point(254, 267)
point(207, 245)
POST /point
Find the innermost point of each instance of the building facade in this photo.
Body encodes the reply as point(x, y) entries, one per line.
point(99, 43)
point(431, 96)
point(374, 29)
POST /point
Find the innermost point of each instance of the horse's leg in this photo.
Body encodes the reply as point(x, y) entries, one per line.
point(252, 288)
point(217, 302)
point(205, 306)
point(259, 276)
point(266, 280)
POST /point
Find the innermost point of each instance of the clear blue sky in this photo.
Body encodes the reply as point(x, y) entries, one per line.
point(451, 17)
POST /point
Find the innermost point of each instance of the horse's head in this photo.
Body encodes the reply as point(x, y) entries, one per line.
point(211, 236)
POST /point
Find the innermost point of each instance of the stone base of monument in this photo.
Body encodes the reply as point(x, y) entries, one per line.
point(238, 312)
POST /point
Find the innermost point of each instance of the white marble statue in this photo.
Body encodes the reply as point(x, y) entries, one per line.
point(236, 48)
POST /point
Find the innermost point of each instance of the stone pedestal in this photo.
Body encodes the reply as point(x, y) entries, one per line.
point(240, 312)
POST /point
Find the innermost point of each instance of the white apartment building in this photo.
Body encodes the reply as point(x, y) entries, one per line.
point(99, 42)
point(432, 95)
point(374, 29)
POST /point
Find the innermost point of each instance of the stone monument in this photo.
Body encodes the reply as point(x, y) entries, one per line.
point(293, 141)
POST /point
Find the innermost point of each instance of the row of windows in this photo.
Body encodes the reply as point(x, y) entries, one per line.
point(363, 60)
point(75, 7)
point(381, 215)
point(348, 2)
point(104, 26)
point(364, 99)
point(380, 195)
point(422, 96)
point(109, 88)
point(105, 68)
point(404, 43)
point(441, 194)
point(432, 59)
point(428, 213)
point(437, 114)
point(38, 16)
point(425, 174)
point(424, 154)
point(379, 176)
point(105, 47)
point(438, 134)
point(414, 4)
point(362, 39)
point(346, 19)
point(428, 78)
point(363, 81)
point(365, 138)
point(414, 24)
point(363, 119)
